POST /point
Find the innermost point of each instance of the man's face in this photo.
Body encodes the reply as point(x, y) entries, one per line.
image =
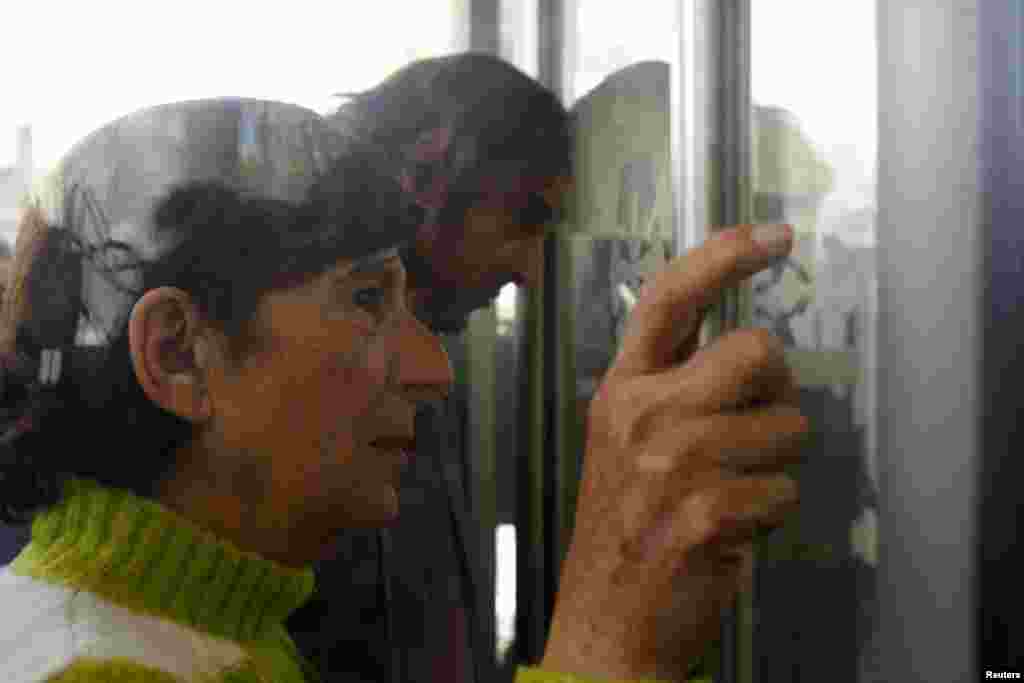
point(501, 243)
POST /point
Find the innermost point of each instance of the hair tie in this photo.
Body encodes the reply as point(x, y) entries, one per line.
point(50, 367)
point(40, 384)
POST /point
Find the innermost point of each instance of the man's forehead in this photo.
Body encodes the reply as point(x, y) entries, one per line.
point(519, 179)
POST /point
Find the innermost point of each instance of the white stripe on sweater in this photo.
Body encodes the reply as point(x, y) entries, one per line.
point(47, 626)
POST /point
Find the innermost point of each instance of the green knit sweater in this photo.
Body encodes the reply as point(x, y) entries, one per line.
point(115, 588)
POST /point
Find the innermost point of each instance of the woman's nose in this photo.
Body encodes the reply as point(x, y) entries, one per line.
point(425, 371)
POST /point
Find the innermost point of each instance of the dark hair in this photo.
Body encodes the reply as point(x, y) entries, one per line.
point(492, 112)
point(229, 252)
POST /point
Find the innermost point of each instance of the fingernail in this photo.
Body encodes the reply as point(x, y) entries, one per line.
point(773, 238)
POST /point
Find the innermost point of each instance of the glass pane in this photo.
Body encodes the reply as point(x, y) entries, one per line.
point(508, 453)
point(602, 38)
point(621, 224)
point(499, 496)
point(622, 217)
point(104, 60)
point(814, 154)
point(520, 26)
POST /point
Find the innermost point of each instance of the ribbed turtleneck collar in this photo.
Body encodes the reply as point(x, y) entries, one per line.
point(141, 555)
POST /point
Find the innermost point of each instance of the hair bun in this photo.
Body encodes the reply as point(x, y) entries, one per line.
point(39, 315)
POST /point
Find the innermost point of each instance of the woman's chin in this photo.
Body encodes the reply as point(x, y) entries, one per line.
point(381, 518)
point(381, 510)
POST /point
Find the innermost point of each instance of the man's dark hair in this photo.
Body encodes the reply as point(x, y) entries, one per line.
point(492, 111)
point(453, 128)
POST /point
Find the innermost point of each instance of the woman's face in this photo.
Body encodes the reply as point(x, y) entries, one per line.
point(316, 423)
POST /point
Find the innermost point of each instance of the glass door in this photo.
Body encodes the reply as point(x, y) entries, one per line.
point(813, 165)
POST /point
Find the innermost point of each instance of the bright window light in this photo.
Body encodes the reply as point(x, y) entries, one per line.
point(505, 586)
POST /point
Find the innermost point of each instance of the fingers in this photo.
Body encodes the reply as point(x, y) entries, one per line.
point(719, 518)
point(698, 456)
point(740, 509)
point(740, 368)
point(684, 456)
point(763, 439)
point(668, 312)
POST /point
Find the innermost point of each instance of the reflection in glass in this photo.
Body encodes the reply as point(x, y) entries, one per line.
point(607, 276)
point(814, 147)
point(302, 56)
point(623, 221)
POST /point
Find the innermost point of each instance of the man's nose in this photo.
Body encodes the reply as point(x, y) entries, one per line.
point(425, 372)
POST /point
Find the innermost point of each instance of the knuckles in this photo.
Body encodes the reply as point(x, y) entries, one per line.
point(760, 348)
point(703, 512)
point(637, 412)
point(711, 515)
point(620, 413)
point(630, 411)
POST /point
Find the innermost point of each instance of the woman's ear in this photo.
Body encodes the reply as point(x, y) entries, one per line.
point(170, 354)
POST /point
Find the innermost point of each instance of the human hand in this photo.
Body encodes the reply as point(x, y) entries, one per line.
point(684, 466)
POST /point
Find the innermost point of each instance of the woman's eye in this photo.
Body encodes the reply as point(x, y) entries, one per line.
point(370, 299)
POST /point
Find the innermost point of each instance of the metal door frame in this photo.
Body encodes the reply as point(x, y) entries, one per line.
point(931, 238)
point(1001, 507)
